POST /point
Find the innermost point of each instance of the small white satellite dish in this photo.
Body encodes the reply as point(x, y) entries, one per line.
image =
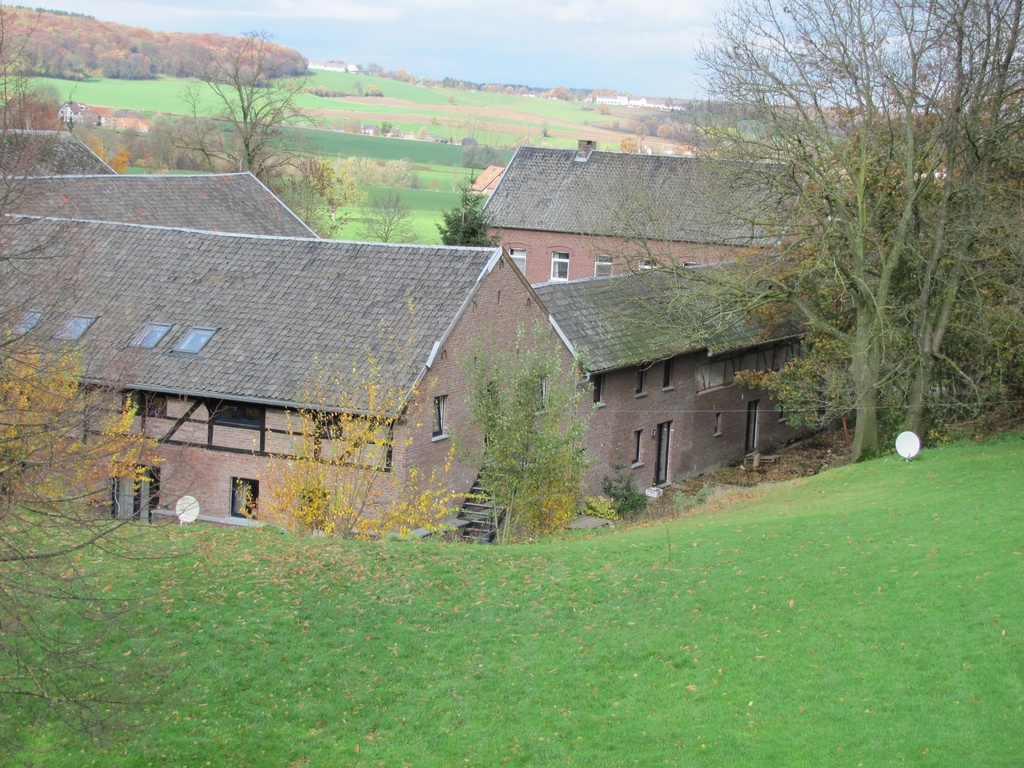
point(907, 445)
point(187, 509)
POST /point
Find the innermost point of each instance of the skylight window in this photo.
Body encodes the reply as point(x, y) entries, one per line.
point(195, 340)
point(150, 335)
point(28, 321)
point(75, 328)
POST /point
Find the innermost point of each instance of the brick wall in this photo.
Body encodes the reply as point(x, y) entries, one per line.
point(191, 465)
point(695, 446)
point(583, 250)
point(501, 305)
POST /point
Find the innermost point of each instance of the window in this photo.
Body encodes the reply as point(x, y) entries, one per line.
point(603, 265)
point(439, 425)
point(666, 374)
point(518, 255)
point(136, 496)
point(718, 423)
point(149, 404)
point(75, 327)
point(245, 497)
point(641, 380)
point(150, 335)
point(559, 265)
point(637, 442)
point(195, 340)
point(647, 264)
point(239, 414)
point(715, 373)
point(598, 383)
point(28, 321)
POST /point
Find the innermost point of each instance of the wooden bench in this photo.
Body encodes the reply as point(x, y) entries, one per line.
point(755, 460)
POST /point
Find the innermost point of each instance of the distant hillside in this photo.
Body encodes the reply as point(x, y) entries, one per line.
point(74, 47)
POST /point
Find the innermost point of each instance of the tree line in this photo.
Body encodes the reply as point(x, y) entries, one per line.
point(74, 47)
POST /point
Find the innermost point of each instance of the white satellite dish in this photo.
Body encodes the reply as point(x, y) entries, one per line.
point(907, 445)
point(187, 509)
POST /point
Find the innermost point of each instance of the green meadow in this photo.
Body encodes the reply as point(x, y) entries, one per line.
point(872, 615)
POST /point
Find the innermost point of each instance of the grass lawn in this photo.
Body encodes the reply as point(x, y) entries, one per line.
point(872, 615)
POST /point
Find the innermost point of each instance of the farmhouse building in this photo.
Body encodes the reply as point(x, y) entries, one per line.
point(222, 338)
point(661, 375)
point(575, 214)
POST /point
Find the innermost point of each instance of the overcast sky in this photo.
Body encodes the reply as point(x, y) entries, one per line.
point(642, 46)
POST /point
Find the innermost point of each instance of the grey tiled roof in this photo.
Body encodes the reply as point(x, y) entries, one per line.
point(285, 308)
point(45, 153)
point(646, 316)
point(657, 197)
point(231, 202)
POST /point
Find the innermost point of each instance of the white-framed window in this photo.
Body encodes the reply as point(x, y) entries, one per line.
point(28, 321)
point(440, 427)
point(559, 265)
point(195, 340)
point(518, 255)
point(648, 263)
point(150, 335)
point(74, 328)
point(603, 265)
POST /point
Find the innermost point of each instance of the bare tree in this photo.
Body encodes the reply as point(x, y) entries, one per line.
point(878, 126)
point(387, 219)
point(247, 95)
point(61, 445)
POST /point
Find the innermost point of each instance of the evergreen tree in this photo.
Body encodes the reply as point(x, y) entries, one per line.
point(466, 223)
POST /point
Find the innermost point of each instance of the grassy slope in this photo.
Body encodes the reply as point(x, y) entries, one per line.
point(869, 616)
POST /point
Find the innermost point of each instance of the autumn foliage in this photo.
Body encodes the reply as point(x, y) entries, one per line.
point(340, 479)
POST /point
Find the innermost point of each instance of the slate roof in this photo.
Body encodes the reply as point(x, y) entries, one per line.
point(230, 202)
point(283, 307)
point(615, 322)
point(47, 153)
point(657, 197)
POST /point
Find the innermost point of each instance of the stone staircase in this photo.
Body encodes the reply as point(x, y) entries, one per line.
point(480, 518)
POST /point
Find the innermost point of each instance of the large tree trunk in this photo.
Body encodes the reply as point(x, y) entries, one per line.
point(866, 370)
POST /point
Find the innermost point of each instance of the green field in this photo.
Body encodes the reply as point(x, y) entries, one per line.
point(870, 616)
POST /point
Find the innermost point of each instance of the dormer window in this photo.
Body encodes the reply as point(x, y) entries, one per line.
point(75, 328)
point(150, 335)
point(195, 340)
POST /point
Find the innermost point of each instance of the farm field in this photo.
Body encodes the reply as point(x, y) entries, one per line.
point(871, 615)
point(497, 119)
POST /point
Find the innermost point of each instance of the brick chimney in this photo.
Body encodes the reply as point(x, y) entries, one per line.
point(584, 148)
